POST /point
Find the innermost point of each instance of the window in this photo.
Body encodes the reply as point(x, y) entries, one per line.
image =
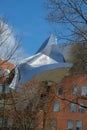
point(1, 105)
point(84, 91)
point(79, 125)
point(56, 107)
point(6, 73)
point(0, 72)
point(7, 89)
point(81, 108)
point(9, 122)
point(32, 124)
point(53, 124)
point(72, 107)
point(48, 85)
point(70, 125)
point(1, 88)
point(75, 90)
point(1, 121)
point(60, 90)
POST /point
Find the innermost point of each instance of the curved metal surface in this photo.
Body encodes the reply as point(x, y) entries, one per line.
point(46, 58)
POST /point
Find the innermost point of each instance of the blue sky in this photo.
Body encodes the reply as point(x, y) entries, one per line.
point(27, 18)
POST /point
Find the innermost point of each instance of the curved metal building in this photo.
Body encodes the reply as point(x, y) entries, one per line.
point(46, 64)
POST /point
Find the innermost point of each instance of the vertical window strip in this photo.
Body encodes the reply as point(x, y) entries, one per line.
point(53, 124)
point(56, 107)
point(81, 108)
point(78, 125)
point(84, 91)
point(72, 107)
point(70, 125)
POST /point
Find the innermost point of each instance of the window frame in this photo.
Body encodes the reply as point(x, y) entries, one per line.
point(55, 125)
point(1, 105)
point(81, 124)
point(56, 107)
point(1, 121)
point(84, 92)
point(7, 88)
point(75, 92)
point(1, 88)
point(80, 108)
point(69, 126)
point(11, 123)
point(60, 90)
point(1, 72)
point(71, 109)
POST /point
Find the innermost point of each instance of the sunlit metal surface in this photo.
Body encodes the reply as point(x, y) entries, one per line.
point(46, 64)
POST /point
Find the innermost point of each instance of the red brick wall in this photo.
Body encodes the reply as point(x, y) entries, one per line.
point(64, 114)
point(5, 65)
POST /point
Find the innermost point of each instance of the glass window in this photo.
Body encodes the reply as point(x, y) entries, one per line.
point(53, 124)
point(0, 72)
point(79, 125)
point(72, 107)
point(75, 90)
point(1, 88)
point(1, 105)
point(6, 73)
point(1, 121)
point(81, 108)
point(56, 107)
point(70, 125)
point(7, 89)
point(60, 90)
point(32, 124)
point(10, 122)
point(84, 91)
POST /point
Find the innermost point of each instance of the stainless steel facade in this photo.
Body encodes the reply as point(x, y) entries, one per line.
point(47, 58)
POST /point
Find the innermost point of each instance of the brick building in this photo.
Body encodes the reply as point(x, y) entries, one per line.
point(67, 104)
point(6, 76)
point(63, 101)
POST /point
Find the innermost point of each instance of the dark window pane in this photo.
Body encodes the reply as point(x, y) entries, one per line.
point(7, 89)
point(10, 122)
point(60, 90)
point(1, 120)
point(1, 105)
point(1, 88)
point(81, 108)
point(75, 90)
point(0, 72)
point(72, 107)
point(53, 124)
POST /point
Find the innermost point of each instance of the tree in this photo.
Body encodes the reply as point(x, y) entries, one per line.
point(72, 15)
point(79, 58)
point(22, 106)
point(8, 42)
point(25, 102)
point(29, 105)
point(8, 48)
